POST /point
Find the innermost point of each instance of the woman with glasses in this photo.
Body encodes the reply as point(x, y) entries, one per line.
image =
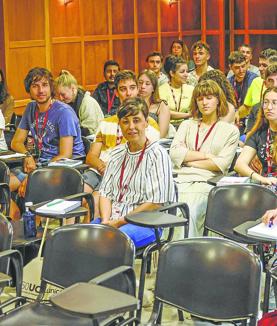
point(262, 140)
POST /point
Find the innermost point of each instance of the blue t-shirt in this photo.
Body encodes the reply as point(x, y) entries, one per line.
point(61, 122)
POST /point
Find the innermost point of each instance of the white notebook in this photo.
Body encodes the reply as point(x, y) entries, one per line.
point(232, 180)
point(58, 206)
point(264, 231)
point(66, 162)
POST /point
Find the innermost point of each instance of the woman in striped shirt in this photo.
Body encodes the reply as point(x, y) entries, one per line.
point(138, 176)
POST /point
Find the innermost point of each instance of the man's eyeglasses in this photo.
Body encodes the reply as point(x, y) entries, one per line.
point(266, 104)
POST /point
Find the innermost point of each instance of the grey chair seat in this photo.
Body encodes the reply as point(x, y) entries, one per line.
point(38, 314)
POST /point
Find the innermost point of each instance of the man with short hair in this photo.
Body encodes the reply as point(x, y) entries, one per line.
point(53, 125)
point(201, 55)
point(154, 62)
point(105, 93)
point(246, 50)
point(256, 89)
point(109, 134)
point(241, 80)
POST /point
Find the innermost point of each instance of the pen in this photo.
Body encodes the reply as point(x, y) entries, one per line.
point(55, 203)
point(270, 224)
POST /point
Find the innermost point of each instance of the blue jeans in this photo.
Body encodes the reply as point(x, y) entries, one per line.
point(141, 236)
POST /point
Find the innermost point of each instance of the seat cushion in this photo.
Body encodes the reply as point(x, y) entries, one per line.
point(41, 314)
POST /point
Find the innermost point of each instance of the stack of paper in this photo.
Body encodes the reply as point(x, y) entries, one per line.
point(66, 162)
point(232, 180)
point(14, 155)
point(264, 231)
point(58, 206)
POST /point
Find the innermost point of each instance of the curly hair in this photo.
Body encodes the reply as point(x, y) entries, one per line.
point(155, 97)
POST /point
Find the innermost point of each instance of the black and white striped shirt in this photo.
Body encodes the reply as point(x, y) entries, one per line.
point(152, 182)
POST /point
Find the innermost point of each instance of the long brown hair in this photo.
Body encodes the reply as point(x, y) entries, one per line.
point(262, 123)
point(155, 97)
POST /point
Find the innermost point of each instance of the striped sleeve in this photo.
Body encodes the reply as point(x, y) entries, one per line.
point(159, 179)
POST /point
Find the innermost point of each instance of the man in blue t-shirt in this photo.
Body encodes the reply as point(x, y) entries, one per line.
point(54, 127)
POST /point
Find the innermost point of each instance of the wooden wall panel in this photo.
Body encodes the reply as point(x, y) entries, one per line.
point(67, 56)
point(64, 19)
point(146, 46)
point(257, 21)
point(169, 17)
point(213, 42)
point(124, 53)
point(95, 17)
point(123, 16)
point(23, 23)
point(146, 25)
point(190, 13)
point(96, 53)
point(21, 60)
point(212, 17)
point(2, 41)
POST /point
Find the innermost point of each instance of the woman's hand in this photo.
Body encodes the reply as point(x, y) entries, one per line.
point(270, 215)
point(29, 164)
point(267, 180)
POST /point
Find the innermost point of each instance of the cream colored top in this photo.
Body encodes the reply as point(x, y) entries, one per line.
point(222, 142)
point(166, 94)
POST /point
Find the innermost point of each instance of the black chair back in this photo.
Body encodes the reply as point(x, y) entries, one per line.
point(78, 253)
point(6, 237)
point(53, 182)
point(4, 173)
point(211, 278)
point(232, 205)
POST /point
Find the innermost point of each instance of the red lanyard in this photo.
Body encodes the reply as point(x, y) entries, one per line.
point(205, 138)
point(119, 136)
point(238, 98)
point(123, 189)
point(40, 131)
point(174, 99)
point(110, 100)
point(268, 152)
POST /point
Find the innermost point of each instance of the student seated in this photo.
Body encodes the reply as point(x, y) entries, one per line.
point(86, 108)
point(262, 140)
point(222, 81)
point(105, 93)
point(177, 93)
point(54, 127)
point(202, 148)
point(158, 109)
point(138, 177)
point(109, 134)
point(6, 100)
